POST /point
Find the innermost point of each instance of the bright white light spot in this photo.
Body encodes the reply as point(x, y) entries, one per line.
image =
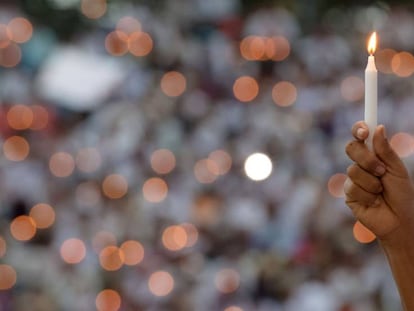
point(258, 166)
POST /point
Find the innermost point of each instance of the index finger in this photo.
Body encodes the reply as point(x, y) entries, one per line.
point(360, 130)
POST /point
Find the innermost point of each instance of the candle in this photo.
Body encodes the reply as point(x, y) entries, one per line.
point(371, 90)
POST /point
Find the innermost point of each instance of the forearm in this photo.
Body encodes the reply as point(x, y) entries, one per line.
point(400, 255)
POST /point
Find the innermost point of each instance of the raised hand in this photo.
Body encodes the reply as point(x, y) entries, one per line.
point(378, 190)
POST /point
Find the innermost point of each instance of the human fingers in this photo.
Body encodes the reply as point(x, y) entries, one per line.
point(365, 180)
point(387, 155)
point(359, 153)
point(354, 193)
point(360, 130)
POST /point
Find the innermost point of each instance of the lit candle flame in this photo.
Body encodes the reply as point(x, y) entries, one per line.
point(372, 43)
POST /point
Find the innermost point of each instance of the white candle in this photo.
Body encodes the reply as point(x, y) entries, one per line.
point(371, 100)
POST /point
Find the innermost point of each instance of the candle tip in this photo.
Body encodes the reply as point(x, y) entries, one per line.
point(372, 43)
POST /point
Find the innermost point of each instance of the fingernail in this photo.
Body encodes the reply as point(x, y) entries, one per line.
point(380, 170)
point(361, 133)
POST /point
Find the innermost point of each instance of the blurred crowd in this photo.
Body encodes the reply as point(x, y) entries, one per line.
point(123, 178)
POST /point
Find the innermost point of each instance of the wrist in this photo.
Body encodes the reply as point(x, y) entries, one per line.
point(399, 250)
point(399, 243)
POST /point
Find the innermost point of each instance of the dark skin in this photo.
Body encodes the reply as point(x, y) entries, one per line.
point(380, 193)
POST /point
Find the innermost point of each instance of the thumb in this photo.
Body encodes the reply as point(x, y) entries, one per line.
point(385, 152)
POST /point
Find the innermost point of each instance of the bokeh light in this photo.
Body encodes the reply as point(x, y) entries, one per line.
point(403, 144)
point(222, 160)
point(20, 117)
point(352, 89)
point(402, 64)
point(40, 118)
point(206, 171)
point(336, 185)
point(23, 228)
point(108, 300)
point(43, 215)
point(140, 44)
point(383, 59)
point(163, 161)
point(270, 48)
point(161, 283)
point(245, 89)
point(115, 186)
point(133, 252)
point(16, 148)
point(88, 159)
point(258, 166)
point(281, 48)
point(256, 48)
point(73, 251)
point(155, 190)
point(174, 238)
point(284, 93)
point(8, 277)
point(111, 258)
point(4, 36)
point(116, 43)
point(233, 308)
point(227, 281)
point(20, 30)
point(93, 9)
point(362, 234)
point(192, 234)
point(10, 56)
point(3, 247)
point(253, 47)
point(61, 164)
point(173, 83)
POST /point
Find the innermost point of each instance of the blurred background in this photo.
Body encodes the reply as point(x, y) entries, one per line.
point(189, 155)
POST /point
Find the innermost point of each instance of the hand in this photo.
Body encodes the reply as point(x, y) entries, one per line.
point(379, 190)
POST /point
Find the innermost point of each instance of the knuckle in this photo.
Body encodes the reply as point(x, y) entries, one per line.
point(376, 186)
point(351, 170)
point(350, 147)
